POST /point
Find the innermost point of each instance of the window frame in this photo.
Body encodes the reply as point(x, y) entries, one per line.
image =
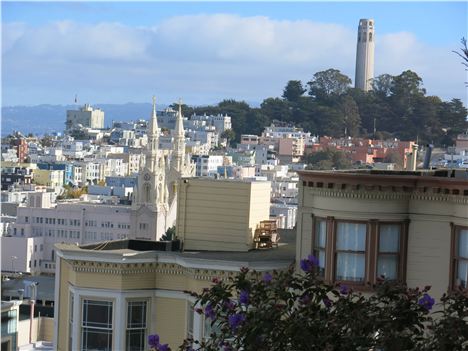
point(371, 253)
point(83, 327)
point(336, 252)
point(454, 258)
point(147, 321)
point(401, 254)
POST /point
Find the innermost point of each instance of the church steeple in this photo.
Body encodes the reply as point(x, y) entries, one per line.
point(179, 140)
point(153, 140)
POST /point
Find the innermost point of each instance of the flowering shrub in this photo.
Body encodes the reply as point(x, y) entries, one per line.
point(297, 311)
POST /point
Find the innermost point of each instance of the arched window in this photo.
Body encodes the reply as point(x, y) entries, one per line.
point(359, 37)
point(370, 36)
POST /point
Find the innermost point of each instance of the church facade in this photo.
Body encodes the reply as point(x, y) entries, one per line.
point(154, 202)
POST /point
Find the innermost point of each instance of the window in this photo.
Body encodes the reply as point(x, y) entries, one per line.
point(460, 257)
point(370, 36)
point(389, 248)
point(96, 325)
point(143, 226)
point(360, 252)
point(136, 325)
point(350, 251)
point(320, 239)
point(70, 322)
point(190, 316)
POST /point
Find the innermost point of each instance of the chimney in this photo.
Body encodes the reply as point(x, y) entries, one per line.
point(414, 157)
point(427, 156)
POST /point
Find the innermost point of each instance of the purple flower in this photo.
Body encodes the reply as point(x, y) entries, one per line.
point(230, 305)
point(235, 320)
point(153, 340)
point(308, 264)
point(344, 290)
point(313, 260)
point(267, 277)
point(305, 299)
point(164, 347)
point(209, 312)
point(327, 302)
point(244, 297)
point(426, 301)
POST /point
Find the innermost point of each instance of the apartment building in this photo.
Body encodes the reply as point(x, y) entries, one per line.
point(409, 226)
point(141, 287)
point(85, 116)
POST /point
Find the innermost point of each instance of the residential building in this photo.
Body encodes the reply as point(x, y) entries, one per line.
point(207, 165)
point(408, 226)
point(220, 214)
point(16, 173)
point(136, 288)
point(52, 178)
point(367, 151)
point(284, 214)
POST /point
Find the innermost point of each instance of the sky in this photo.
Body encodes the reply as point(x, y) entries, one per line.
point(203, 52)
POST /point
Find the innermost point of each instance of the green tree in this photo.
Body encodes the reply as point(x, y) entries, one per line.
point(46, 141)
point(276, 109)
point(328, 84)
point(351, 117)
point(238, 111)
point(169, 235)
point(229, 135)
point(463, 52)
point(293, 91)
point(328, 159)
point(187, 111)
point(382, 85)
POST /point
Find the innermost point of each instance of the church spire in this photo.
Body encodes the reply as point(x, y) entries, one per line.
point(153, 140)
point(179, 140)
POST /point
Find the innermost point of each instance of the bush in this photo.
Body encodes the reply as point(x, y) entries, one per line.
point(296, 311)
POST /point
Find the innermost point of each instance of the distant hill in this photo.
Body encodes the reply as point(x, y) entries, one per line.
point(43, 119)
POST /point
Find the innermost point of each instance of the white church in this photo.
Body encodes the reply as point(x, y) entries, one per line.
point(155, 196)
point(42, 224)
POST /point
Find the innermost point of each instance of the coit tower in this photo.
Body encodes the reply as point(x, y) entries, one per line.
point(365, 55)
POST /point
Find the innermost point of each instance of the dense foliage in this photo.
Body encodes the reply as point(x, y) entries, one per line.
point(397, 107)
point(297, 311)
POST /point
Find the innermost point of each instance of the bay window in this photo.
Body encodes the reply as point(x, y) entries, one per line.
point(136, 325)
point(359, 252)
point(320, 240)
point(350, 251)
point(389, 251)
point(460, 257)
point(96, 326)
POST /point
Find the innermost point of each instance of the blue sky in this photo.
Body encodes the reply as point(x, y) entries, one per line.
point(111, 52)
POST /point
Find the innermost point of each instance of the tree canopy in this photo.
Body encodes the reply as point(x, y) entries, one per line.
point(397, 107)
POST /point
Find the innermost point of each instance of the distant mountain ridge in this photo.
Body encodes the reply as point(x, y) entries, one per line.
point(43, 119)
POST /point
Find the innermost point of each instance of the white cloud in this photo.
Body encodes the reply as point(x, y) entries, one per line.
point(202, 57)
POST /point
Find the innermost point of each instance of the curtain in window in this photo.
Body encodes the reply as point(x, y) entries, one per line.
point(462, 269)
point(389, 238)
point(351, 236)
point(463, 244)
point(387, 266)
point(349, 265)
point(320, 242)
point(389, 247)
